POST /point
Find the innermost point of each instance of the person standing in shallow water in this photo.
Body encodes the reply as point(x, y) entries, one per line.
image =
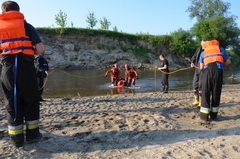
point(131, 75)
point(115, 74)
point(165, 73)
point(19, 42)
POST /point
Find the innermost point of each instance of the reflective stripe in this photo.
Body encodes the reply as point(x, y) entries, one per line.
point(214, 109)
point(15, 130)
point(32, 124)
point(204, 110)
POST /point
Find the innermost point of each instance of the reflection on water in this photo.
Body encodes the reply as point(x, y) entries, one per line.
point(93, 82)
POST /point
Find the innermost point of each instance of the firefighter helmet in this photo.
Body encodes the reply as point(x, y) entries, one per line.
point(116, 65)
point(126, 66)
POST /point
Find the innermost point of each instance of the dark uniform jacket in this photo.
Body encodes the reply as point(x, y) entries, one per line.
point(41, 66)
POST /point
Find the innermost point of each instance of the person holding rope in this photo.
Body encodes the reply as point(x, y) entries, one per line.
point(212, 61)
point(197, 78)
point(42, 69)
point(115, 74)
point(165, 73)
point(19, 42)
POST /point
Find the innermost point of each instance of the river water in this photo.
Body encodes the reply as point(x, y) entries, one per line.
point(66, 84)
point(75, 83)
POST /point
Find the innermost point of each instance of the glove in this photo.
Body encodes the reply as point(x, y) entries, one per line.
point(137, 77)
point(105, 75)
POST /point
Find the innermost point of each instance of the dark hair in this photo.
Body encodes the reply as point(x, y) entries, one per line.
point(10, 6)
point(162, 55)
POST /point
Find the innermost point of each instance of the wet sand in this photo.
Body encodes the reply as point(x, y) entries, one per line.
point(141, 125)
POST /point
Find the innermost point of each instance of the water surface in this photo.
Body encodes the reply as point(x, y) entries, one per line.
point(93, 82)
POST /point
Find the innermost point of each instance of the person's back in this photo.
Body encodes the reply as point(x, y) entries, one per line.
point(19, 42)
point(212, 61)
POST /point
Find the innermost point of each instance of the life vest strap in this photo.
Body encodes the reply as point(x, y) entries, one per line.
point(18, 48)
point(213, 55)
point(14, 39)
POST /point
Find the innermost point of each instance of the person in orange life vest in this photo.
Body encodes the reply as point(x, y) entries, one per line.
point(19, 41)
point(115, 74)
point(130, 75)
point(212, 61)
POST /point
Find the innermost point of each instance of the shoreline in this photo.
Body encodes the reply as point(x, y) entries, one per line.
point(141, 125)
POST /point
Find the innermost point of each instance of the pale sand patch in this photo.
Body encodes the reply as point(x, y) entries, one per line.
point(142, 125)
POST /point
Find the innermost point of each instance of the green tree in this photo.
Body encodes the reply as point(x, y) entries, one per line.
point(72, 25)
point(105, 23)
point(182, 43)
point(115, 29)
point(61, 20)
point(204, 9)
point(214, 22)
point(91, 20)
point(223, 29)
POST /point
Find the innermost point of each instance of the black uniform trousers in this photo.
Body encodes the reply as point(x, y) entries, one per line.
point(197, 79)
point(27, 93)
point(165, 79)
point(211, 87)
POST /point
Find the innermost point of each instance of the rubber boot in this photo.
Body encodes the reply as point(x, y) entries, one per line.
point(166, 89)
point(214, 113)
point(196, 99)
point(200, 100)
point(17, 140)
point(204, 116)
point(163, 88)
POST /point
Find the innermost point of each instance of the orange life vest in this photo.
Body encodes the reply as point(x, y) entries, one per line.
point(13, 38)
point(212, 52)
point(131, 73)
point(115, 72)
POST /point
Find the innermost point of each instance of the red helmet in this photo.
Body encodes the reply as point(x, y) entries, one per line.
point(126, 66)
point(116, 65)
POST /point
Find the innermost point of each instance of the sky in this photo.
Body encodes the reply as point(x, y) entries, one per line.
point(155, 17)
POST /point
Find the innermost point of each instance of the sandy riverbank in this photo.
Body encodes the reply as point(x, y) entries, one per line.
point(142, 125)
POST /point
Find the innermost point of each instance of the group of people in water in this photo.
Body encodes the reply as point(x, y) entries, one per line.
point(129, 79)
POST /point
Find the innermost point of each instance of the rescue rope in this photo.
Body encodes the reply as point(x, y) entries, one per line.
point(45, 81)
point(155, 75)
point(69, 75)
point(177, 70)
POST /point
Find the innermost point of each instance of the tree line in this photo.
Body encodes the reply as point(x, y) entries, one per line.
point(214, 21)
